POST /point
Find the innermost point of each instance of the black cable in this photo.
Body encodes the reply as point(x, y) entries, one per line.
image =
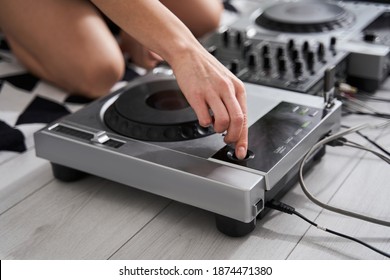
point(379, 115)
point(348, 101)
point(360, 94)
point(370, 140)
point(373, 143)
point(335, 140)
point(345, 142)
point(372, 98)
point(360, 147)
point(285, 208)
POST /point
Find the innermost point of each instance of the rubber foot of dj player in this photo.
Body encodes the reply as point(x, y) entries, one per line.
point(232, 227)
point(66, 174)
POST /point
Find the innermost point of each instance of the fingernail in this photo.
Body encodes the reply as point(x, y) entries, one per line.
point(241, 153)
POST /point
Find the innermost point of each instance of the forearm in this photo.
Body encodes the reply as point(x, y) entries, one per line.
point(153, 25)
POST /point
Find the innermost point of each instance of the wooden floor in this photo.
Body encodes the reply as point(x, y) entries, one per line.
point(43, 218)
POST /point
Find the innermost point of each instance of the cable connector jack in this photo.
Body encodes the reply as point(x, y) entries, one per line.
point(337, 142)
point(277, 205)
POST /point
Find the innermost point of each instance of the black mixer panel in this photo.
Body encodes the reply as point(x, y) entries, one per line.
point(291, 44)
point(291, 65)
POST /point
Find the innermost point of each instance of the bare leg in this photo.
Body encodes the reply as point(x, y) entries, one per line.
point(200, 16)
point(65, 42)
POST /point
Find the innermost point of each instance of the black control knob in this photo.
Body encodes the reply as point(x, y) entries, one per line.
point(265, 50)
point(370, 37)
point(232, 155)
point(252, 61)
point(321, 52)
point(305, 47)
point(225, 37)
point(291, 44)
point(310, 59)
point(298, 68)
point(332, 43)
point(266, 62)
point(238, 39)
point(295, 55)
point(282, 65)
point(234, 66)
point(279, 52)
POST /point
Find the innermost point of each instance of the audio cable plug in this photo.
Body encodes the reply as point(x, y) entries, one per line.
point(280, 206)
point(285, 208)
point(337, 142)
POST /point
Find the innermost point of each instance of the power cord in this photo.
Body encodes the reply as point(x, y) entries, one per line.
point(360, 147)
point(345, 142)
point(285, 208)
point(370, 140)
point(335, 140)
point(353, 105)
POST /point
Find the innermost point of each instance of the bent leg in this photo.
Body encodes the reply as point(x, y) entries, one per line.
point(65, 42)
point(200, 16)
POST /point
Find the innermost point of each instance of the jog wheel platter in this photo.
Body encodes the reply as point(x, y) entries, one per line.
point(154, 111)
point(305, 17)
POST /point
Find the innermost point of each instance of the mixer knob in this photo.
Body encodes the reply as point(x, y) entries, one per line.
point(295, 55)
point(265, 50)
point(282, 63)
point(369, 37)
point(298, 68)
point(310, 60)
point(266, 62)
point(239, 39)
point(279, 52)
point(234, 66)
point(305, 47)
point(252, 60)
point(321, 52)
point(225, 37)
point(332, 43)
point(291, 44)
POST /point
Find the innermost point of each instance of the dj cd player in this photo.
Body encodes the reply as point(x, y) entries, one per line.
point(146, 136)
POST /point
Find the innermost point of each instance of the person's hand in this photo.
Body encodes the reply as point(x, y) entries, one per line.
point(137, 53)
point(207, 84)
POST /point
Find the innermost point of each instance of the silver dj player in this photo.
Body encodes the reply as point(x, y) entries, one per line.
point(146, 136)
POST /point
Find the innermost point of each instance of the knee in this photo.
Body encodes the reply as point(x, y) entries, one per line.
point(95, 79)
point(210, 19)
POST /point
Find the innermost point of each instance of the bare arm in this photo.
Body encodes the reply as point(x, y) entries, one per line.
point(203, 80)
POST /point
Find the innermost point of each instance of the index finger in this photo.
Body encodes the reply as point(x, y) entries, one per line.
point(242, 143)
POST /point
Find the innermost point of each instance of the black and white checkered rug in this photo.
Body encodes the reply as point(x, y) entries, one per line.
point(28, 104)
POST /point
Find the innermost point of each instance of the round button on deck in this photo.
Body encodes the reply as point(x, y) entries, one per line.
point(232, 155)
